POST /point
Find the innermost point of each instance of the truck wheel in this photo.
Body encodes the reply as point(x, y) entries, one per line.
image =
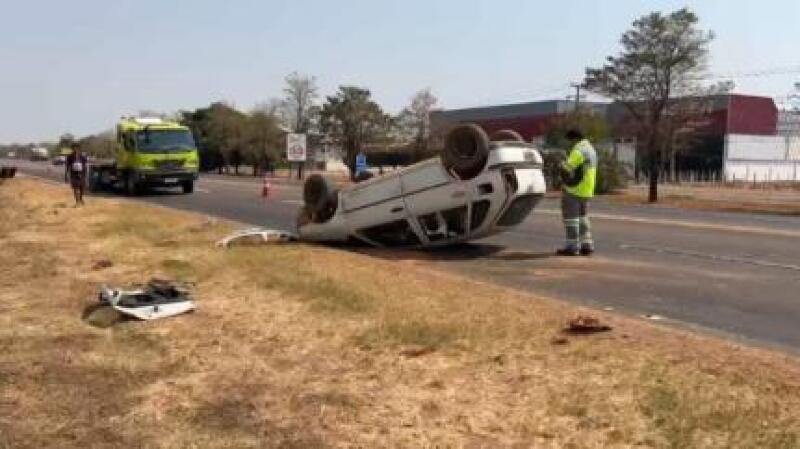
point(506, 135)
point(466, 151)
point(188, 186)
point(132, 188)
point(320, 197)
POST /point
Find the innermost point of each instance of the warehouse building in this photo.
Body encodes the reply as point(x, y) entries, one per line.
point(737, 136)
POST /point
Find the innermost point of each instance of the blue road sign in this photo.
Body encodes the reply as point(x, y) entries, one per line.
point(361, 162)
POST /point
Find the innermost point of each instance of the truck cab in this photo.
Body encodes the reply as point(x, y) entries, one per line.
point(153, 152)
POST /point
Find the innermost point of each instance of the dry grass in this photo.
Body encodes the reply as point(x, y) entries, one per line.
point(730, 198)
point(302, 347)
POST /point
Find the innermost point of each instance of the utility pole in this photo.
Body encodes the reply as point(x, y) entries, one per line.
point(577, 87)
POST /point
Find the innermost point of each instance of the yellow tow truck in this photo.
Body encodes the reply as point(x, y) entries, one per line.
point(148, 152)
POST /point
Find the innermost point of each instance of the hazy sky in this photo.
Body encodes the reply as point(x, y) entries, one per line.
point(78, 65)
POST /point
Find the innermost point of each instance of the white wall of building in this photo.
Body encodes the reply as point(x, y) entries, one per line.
point(762, 158)
point(762, 171)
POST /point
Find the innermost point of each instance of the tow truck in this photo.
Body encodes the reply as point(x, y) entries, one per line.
point(148, 152)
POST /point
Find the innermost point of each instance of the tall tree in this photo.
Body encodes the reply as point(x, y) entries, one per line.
point(414, 120)
point(299, 103)
point(263, 137)
point(99, 145)
point(352, 119)
point(220, 132)
point(662, 62)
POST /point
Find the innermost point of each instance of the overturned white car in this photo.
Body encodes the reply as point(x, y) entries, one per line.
point(476, 188)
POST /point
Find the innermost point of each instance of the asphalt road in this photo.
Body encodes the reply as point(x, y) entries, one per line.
point(729, 273)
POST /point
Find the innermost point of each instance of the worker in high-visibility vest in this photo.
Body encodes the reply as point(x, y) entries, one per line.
point(578, 174)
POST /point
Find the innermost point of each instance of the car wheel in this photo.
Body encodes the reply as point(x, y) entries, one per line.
point(466, 151)
point(506, 135)
point(320, 197)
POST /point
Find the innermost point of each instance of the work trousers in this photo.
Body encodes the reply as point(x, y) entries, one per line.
point(578, 229)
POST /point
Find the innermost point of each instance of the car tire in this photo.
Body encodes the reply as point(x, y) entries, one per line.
point(320, 197)
point(466, 151)
point(506, 135)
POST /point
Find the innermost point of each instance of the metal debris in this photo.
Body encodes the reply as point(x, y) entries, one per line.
point(583, 324)
point(158, 299)
point(256, 236)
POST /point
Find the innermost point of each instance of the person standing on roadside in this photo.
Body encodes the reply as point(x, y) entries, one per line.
point(77, 168)
point(578, 174)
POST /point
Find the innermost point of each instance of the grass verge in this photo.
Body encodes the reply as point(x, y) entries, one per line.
point(297, 346)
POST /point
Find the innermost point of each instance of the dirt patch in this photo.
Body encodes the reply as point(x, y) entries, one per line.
point(296, 346)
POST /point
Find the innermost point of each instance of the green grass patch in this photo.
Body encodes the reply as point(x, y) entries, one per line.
point(178, 269)
point(288, 270)
point(401, 333)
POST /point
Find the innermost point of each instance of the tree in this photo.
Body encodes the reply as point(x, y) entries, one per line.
point(219, 131)
point(65, 141)
point(352, 119)
point(662, 61)
point(610, 172)
point(299, 106)
point(414, 121)
point(99, 145)
point(263, 137)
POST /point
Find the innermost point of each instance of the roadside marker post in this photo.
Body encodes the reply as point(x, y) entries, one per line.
point(265, 187)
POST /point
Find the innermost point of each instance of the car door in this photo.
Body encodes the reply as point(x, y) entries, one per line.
point(436, 202)
point(374, 203)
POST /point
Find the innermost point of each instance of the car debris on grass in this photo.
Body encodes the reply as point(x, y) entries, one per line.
point(584, 324)
point(157, 299)
point(256, 236)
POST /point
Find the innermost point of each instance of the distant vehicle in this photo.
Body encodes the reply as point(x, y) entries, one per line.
point(475, 189)
point(59, 160)
point(148, 152)
point(39, 154)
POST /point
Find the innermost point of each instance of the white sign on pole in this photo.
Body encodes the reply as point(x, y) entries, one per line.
point(296, 147)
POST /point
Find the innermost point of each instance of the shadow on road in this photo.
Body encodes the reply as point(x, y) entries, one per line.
point(459, 252)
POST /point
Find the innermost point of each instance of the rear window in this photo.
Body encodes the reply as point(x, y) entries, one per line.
point(518, 210)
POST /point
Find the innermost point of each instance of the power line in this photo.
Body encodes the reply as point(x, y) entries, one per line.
point(791, 70)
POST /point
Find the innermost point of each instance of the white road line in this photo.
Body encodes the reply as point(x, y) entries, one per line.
point(683, 224)
point(292, 201)
point(688, 253)
point(202, 190)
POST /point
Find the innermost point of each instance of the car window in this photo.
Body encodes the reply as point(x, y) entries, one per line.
point(456, 221)
point(395, 233)
point(518, 210)
point(478, 215)
point(433, 226)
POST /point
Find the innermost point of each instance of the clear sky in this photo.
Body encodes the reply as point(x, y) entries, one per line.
point(76, 66)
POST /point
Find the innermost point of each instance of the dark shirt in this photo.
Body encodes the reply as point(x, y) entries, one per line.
point(76, 165)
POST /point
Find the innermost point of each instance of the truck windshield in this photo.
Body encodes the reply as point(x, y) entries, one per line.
point(164, 141)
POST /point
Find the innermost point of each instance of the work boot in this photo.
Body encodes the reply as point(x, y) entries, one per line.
point(568, 251)
point(587, 250)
